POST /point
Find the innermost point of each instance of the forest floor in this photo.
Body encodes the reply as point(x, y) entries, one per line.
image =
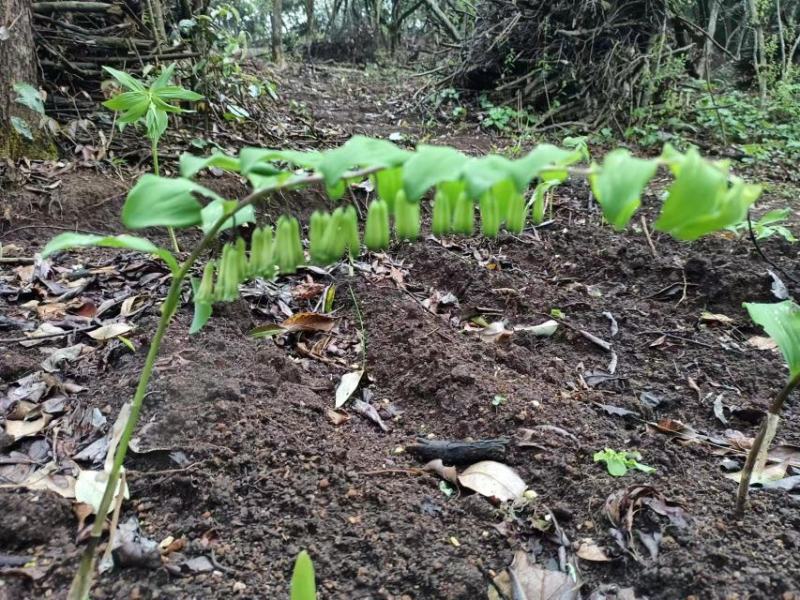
point(240, 461)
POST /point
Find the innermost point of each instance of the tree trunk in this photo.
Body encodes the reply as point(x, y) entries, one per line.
point(276, 18)
point(18, 64)
point(310, 20)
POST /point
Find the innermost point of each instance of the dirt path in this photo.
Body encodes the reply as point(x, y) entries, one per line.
point(239, 457)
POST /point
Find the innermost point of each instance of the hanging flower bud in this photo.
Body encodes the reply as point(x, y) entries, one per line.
point(269, 269)
point(502, 193)
point(316, 237)
point(222, 272)
point(406, 218)
point(256, 242)
point(350, 222)
point(490, 216)
point(388, 183)
point(235, 259)
point(241, 259)
point(464, 216)
point(205, 291)
point(517, 213)
point(335, 241)
point(298, 256)
point(283, 251)
point(442, 214)
point(376, 231)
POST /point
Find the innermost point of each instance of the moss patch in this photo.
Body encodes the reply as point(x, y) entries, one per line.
point(13, 146)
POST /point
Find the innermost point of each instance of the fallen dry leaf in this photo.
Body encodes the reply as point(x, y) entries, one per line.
point(447, 473)
point(545, 329)
point(589, 550)
point(337, 417)
point(493, 480)
point(527, 580)
point(770, 473)
point(761, 342)
point(308, 321)
point(45, 331)
point(51, 363)
point(110, 331)
point(347, 386)
point(709, 317)
point(22, 429)
point(495, 333)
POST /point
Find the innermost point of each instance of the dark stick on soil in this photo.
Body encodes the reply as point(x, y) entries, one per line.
point(458, 452)
point(761, 253)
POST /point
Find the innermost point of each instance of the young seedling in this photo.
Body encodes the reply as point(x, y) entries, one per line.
point(620, 462)
point(782, 322)
point(303, 585)
point(403, 179)
point(151, 106)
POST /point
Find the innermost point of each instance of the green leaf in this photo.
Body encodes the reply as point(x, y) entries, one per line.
point(774, 216)
point(191, 165)
point(21, 127)
point(303, 586)
point(781, 321)
point(136, 111)
point(29, 96)
point(388, 182)
point(156, 121)
point(176, 92)
point(77, 240)
point(164, 77)
point(360, 151)
point(618, 463)
point(619, 185)
point(429, 166)
point(202, 310)
point(161, 201)
point(700, 201)
point(127, 101)
point(481, 174)
point(538, 200)
point(546, 162)
point(214, 210)
point(125, 80)
point(251, 157)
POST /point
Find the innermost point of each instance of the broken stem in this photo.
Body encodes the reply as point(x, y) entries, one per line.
point(765, 434)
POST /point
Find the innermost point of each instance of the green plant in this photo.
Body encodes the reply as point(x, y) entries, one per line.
point(30, 97)
point(303, 585)
point(501, 118)
point(771, 224)
point(781, 321)
point(402, 178)
point(499, 400)
point(620, 462)
point(150, 105)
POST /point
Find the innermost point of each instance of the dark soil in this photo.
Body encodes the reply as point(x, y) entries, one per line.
point(265, 473)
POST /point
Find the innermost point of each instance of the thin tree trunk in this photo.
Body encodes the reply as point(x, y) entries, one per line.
point(310, 19)
point(276, 18)
point(18, 64)
point(709, 46)
point(759, 51)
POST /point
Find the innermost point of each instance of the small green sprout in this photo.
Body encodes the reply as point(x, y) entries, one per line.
point(771, 224)
point(618, 463)
point(499, 401)
point(303, 586)
point(557, 313)
point(447, 489)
